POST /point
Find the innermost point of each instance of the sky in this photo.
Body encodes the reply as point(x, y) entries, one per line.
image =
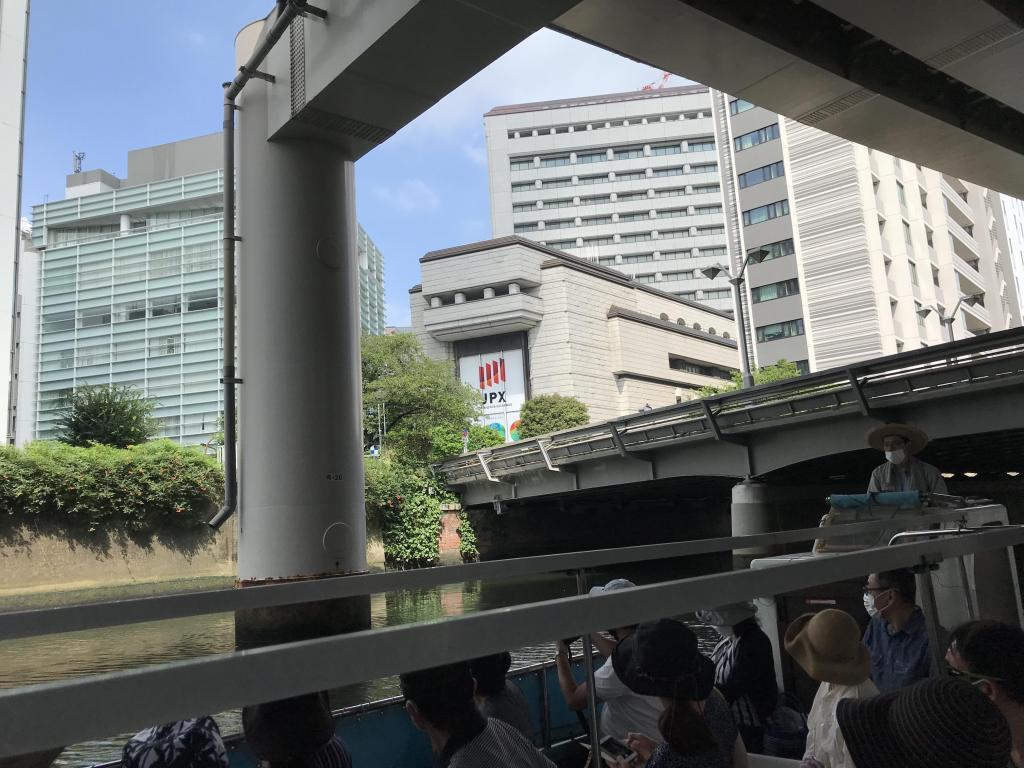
point(108, 76)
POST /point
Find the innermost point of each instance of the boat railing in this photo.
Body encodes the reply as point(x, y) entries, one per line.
point(40, 716)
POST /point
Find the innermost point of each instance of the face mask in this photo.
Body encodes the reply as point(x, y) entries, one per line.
point(869, 604)
point(896, 457)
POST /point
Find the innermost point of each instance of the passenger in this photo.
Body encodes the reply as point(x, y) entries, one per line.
point(902, 471)
point(744, 669)
point(662, 659)
point(938, 723)
point(182, 744)
point(827, 646)
point(295, 733)
point(440, 703)
point(990, 656)
point(896, 637)
point(496, 695)
point(624, 711)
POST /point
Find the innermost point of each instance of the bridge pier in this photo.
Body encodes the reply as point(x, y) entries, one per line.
point(751, 512)
point(301, 509)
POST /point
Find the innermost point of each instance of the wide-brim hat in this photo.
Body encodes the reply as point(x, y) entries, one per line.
point(936, 723)
point(288, 729)
point(917, 438)
point(661, 658)
point(828, 647)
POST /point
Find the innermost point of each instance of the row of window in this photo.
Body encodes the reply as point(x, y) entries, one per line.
point(127, 268)
point(775, 290)
point(583, 127)
point(642, 258)
point(760, 136)
point(604, 178)
point(566, 202)
point(784, 330)
point(670, 213)
point(774, 250)
point(690, 366)
point(709, 295)
point(634, 237)
point(134, 350)
point(703, 144)
point(766, 212)
point(132, 310)
point(739, 105)
point(762, 174)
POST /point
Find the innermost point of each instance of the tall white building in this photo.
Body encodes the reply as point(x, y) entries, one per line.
point(861, 254)
point(13, 52)
point(1013, 223)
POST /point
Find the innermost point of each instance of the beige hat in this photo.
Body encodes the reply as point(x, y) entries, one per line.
point(917, 438)
point(828, 647)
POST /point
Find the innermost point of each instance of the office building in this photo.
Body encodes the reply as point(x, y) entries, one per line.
point(860, 254)
point(518, 319)
point(371, 284)
point(1013, 224)
point(131, 286)
point(13, 53)
point(24, 381)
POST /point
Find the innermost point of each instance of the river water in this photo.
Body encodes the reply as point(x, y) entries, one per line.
point(55, 657)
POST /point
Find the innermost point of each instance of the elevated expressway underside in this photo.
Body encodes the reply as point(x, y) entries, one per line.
point(806, 431)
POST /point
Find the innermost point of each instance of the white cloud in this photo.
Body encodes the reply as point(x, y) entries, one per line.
point(409, 196)
point(476, 154)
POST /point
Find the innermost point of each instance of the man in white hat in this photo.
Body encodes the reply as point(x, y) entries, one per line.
point(902, 471)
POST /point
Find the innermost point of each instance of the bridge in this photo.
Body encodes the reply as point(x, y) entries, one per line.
point(967, 395)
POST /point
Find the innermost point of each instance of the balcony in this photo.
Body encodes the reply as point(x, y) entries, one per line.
point(483, 317)
point(956, 201)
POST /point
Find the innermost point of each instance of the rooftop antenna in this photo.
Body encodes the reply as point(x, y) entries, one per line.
point(76, 161)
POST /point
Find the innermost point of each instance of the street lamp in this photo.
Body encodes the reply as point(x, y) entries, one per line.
point(756, 257)
point(947, 320)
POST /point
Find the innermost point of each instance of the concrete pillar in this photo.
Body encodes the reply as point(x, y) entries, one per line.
point(301, 511)
point(751, 513)
point(126, 223)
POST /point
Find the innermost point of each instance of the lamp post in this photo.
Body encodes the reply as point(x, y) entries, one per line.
point(947, 320)
point(736, 281)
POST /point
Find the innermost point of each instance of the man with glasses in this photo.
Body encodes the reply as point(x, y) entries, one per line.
point(897, 636)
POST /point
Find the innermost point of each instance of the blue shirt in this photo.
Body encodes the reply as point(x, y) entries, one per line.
point(899, 658)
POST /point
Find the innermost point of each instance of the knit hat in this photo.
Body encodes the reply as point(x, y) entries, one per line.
point(828, 647)
point(288, 729)
point(194, 743)
point(936, 723)
point(662, 659)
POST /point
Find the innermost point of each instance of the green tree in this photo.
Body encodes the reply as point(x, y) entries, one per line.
point(415, 393)
point(766, 374)
point(446, 440)
point(544, 414)
point(115, 415)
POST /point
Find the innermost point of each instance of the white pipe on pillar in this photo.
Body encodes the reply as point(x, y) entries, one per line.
point(301, 473)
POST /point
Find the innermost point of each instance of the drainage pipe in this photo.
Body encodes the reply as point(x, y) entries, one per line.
point(287, 12)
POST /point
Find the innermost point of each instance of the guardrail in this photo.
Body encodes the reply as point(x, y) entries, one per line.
point(51, 714)
point(993, 359)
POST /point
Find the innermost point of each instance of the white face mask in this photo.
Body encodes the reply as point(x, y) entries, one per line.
point(896, 457)
point(869, 604)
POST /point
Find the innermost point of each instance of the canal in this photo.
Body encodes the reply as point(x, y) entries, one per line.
point(55, 657)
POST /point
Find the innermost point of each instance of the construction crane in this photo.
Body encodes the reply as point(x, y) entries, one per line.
point(657, 84)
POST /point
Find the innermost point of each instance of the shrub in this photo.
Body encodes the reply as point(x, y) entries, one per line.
point(116, 415)
point(767, 374)
point(467, 539)
point(447, 440)
point(544, 414)
point(99, 496)
point(404, 505)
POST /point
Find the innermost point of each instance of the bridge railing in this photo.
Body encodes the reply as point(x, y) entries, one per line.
point(41, 716)
point(873, 386)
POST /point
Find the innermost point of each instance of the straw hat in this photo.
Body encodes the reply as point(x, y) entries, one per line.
point(936, 723)
point(662, 659)
point(917, 438)
point(828, 647)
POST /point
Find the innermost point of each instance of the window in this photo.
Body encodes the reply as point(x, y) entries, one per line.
point(132, 310)
point(552, 162)
point(913, 272)
point(67, 358)
point(58, 321)
point(166, 263)
point(766, 212)
point(784, 330)
point(96, 355)
point(628, 153)
point(929, 237)
point(196, 258)
point(90, 318)
point(775, 250)
point(666, 149)
point(803, 366)
point(764, 173)
point(202, 300)
point(529, 227)
point(520, 164)
point(760, 136)
point(164, 345)
point(165, 305)
point(906, 234)
point(705, 145)
point(739, 105)
point(901, 194)
point(701, 369)
point(775, 290)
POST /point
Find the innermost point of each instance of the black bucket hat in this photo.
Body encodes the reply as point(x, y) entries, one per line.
point(288, 729)
point(936, 723)
point(662, 659)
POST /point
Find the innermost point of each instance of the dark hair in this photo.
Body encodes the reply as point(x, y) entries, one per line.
point(902, 580)
point(995, 649)
point(443, 695)
point(685, 730)
point(489, 673)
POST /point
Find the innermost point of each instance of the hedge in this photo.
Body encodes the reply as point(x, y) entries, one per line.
point(98, 497)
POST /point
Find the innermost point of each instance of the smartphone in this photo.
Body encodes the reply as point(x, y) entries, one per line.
point(612, 749)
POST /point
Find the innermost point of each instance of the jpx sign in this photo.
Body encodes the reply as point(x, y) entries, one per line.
point(499, 376)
